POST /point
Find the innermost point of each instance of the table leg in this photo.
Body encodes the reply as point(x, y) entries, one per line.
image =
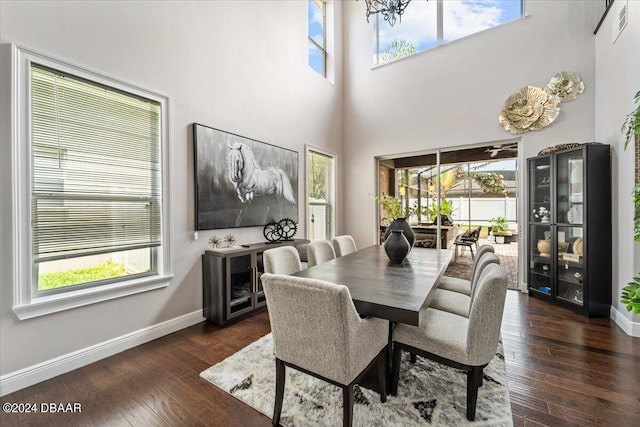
point(390, 355)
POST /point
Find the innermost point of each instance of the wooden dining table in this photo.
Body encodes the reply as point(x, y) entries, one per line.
point(379, 288)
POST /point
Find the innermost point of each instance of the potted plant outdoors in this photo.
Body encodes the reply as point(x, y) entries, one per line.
point(630, 295)
point(446, 209)
point(397, 216)
point(499, 228)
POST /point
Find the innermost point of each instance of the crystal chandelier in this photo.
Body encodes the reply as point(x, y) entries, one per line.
point(389, 9)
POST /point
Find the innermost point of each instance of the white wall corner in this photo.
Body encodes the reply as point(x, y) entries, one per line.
point(627, 325)
point(34, 374)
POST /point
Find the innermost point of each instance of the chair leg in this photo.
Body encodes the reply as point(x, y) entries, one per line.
point(471, 249)
point(395, 370)
point(280, 378)
point(474, 379)
point(347, 404)
point(414, 358)
point(382, 376)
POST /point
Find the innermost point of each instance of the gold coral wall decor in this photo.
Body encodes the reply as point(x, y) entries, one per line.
point(566, 85)
point(530, 108)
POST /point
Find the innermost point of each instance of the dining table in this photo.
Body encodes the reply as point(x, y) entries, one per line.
point(382, 289)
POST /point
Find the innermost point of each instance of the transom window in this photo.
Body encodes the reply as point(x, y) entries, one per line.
point(92, 169)
point(317, 36)
point(426, 24)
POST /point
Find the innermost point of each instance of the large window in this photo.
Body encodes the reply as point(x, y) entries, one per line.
point(92, 179)
point(426, 24)
point(317, 36)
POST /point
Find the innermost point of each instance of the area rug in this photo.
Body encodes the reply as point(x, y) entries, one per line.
point(428, 393)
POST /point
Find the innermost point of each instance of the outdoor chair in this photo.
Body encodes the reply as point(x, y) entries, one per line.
point(317, 331)
point(464, 343)
point(468, 239)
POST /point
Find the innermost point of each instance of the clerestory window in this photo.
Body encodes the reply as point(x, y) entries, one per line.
point(426, 24)
point(92, 222)
point(317, 34)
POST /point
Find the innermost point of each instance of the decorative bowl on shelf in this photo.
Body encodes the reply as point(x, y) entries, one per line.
point(544, 247)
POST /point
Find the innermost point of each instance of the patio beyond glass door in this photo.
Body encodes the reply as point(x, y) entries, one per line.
point(320, 195)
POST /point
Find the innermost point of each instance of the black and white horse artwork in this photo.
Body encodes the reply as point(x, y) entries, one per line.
point(251, 181)
point(242, 182)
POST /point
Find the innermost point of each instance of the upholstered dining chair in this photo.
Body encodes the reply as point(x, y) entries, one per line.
point(459, 303)
point(320, 251)
point(464, 343)
point(344, 245)
point(316, 330)
point(282, 260)
point(461, 285)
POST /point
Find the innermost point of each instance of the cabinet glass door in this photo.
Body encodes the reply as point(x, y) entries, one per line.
point(570, 274)
point(259, 298)
point(569, 187)
point(540, 190)
point(240, 279)
point(540, 253)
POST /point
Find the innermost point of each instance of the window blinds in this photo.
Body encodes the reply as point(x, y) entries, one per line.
point(95, 168)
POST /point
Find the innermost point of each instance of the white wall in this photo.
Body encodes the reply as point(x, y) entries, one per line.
point(618, 80)
point(452, 95)
point(239, 66)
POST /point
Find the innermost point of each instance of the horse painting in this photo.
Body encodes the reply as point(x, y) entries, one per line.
point(251, 181)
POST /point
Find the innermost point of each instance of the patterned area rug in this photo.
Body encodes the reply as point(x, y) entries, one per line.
point(428, 393)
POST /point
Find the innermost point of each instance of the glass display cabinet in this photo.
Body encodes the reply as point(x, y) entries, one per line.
point(569, 224)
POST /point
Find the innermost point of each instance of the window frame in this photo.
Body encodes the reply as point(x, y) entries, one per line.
point(26, 302)
point(323, 48)
point(439, 32)
point(333, 195)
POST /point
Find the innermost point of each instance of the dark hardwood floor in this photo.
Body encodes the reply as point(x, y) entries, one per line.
point(563, 370)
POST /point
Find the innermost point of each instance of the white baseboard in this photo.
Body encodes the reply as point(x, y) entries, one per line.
point(51, 368)
point(629, 327)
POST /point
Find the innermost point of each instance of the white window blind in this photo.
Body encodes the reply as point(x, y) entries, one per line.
point(96, 168)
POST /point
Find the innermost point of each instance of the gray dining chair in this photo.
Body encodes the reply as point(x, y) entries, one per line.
point(461, 285)
point(464, 343)
point(320, 251)
point(316, 330)
point(283, 260)
point(459, 303)
point(344, 245)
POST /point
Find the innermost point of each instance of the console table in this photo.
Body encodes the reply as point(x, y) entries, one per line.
point(231, 286)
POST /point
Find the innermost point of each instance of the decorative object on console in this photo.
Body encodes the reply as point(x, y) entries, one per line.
point(241, 182)
point(215, 241)
point(230, 240)
point(284, 229)
point(397, 247)
point(566, 85)
point(530, 108)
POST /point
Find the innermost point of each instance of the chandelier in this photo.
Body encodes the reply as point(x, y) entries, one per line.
point(388, 8)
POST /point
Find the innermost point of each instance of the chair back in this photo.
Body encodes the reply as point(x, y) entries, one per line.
point(283, 260)
point(485, 316)
point(482, 250)
point(482, 262)
point(312, 322)
point(320, 251)
point(344, 245)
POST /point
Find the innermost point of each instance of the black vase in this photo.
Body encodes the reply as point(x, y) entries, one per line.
point(401, 224)
point(397, 246)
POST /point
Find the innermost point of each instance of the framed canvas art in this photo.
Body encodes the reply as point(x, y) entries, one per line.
point(241, 182)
